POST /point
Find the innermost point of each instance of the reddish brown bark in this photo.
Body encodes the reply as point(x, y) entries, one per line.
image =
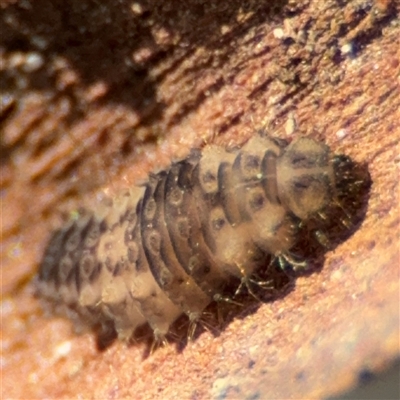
point(98, 97)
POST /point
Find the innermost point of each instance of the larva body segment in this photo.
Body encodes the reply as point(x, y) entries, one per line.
point(177, 243)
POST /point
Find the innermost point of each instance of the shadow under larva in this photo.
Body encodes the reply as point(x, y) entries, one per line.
point(219, 227)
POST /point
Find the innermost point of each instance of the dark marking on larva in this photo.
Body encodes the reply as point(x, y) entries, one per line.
point(200, 231)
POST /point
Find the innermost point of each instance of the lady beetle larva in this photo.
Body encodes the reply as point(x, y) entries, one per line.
point(196, 232)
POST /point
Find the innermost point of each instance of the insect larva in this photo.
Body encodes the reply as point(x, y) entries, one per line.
point(195, 232)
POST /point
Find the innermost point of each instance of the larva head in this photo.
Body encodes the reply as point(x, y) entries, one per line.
point(305, 177)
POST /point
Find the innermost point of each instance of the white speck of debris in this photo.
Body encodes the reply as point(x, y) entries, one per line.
point(347, 48)
point(254, 350)
point(137, 8)
point(290, 125)
point(63, 349)
point(33, 62)
point(278, 33)
point(225, 29)
point(337, 276)
point(341, 133)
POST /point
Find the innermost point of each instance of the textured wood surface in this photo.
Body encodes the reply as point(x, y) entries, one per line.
point(95, 97)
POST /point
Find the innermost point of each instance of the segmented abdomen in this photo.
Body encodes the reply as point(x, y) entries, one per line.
point(177, 243)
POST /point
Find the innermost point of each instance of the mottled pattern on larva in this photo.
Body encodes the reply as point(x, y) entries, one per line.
point(177, 243)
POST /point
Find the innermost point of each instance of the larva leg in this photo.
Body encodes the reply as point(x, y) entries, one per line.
point(288, 259)
point(158, 340)
point(218, 298)
point(126, 317)
point(192, 328)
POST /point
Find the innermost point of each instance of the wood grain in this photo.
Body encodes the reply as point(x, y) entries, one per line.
point(94, 99)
